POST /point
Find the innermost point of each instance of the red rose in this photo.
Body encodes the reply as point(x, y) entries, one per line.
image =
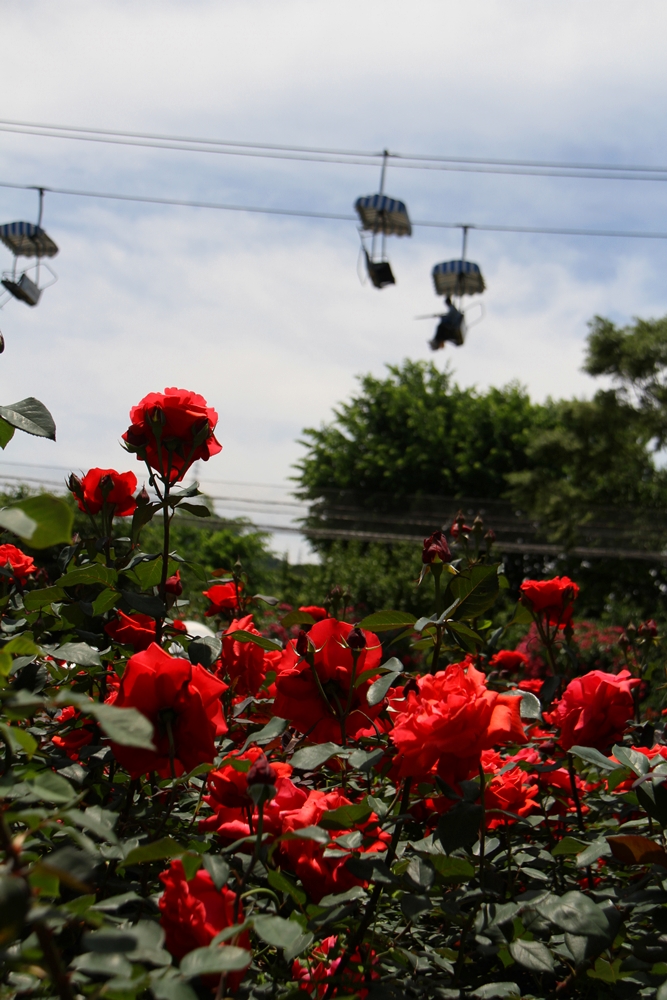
point(314, 698)
point(315, 973)
point(194, 911)
point(173, 584)
point(245, 663)
point(323, 875)
point(172, 430)
point(512, 792)
point(223, 597)
point(436, 547)
point(315, 612)
point(100, 486)
point(450, 720)
point(508, 659)
point(73, 740)
point(21, 565)
point(554, 599)
point(174, 694)
point(133, 630)
point(532, 684)
point(594, 709)
point(235, 815)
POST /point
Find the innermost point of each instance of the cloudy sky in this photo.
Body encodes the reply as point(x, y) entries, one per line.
point(266, 316)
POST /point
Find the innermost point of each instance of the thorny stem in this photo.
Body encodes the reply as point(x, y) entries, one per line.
point(369, 913)
point(166, 526)
point(436, 649)
point(575, 792)
point(253, 861)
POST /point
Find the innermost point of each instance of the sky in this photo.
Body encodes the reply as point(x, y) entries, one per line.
point(266, 316)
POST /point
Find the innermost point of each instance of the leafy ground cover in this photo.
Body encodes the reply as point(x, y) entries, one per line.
point(304, 802)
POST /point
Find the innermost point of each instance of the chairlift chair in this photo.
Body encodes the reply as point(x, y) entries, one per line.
point(27, 239)
point(455, 278)
point(381, 216)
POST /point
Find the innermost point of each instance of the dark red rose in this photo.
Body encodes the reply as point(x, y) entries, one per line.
point(553, 599)
point(648, 630)
point(356, 639)
point(21, 565)
point(312, 698)
point(261, 772)
point(594, 710)
point(172, 430)
point(459, 528)
point(436, 548)
point(174, 694)
point(193, 912)
point(133, 630)
point(100, 486)
point(450, 720)
point(314, 611)
point(223, 597)
point(173, 584)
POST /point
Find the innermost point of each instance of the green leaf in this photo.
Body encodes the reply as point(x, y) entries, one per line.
point(166, 847)
point(379, 688)
point(22, 645)
point(452, 869)
point(466, 637)
point(40, 521)
point(31, 416)
point(80, 653)
point(637, 762)
point(459, 827)
point(501, 990)
point(90, 963)
point(145, 604)
point(169, 986)
point(598, 849)
point(207, 961)
point(592, 756)
point(93, 573)
point(522, 616)
point(277, 880)
point(311, 758)
point(19, 739)
point(315, 833)
point(36, 599)
point(196, 509)
point(569, 845)
point(278, 932)
point(6, 433)
point(275, 727)
point(205, 650)
point(125, 726)
point(385, 621)
point(297, 618)
point(575, 913)
point(345, 816)
point(476, 589)
point(240, 635)
point(217, 869)
point(532, 955)
point(105, 601)
point(51, 787)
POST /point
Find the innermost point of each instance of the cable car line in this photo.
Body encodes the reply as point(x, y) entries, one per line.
point(414, 161)
point(339, 216)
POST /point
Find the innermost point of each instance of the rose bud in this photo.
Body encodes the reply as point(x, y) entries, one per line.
point(648, 630)
point(356, 639)
point(173, 585)
point(143, 497)
point(490, 536)
point(302, 643)
point(436, 547)
point(261, 772)
point(75, 486)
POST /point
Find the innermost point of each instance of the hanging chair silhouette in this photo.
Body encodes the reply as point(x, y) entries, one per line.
point(455, 278)
point(380, 216)
point(27, 239)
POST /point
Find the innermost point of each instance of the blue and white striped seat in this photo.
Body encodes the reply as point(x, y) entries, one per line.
point(25, 239)
point(380, 214)
point(457, 277)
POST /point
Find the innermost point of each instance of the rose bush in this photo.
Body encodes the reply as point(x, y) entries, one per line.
point(305, 806)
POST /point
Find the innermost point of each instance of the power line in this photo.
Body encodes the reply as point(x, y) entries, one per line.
point(337, 216)
point(415, 161)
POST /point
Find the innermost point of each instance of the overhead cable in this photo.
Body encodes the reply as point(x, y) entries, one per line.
point(414, 161)
point(338, 216)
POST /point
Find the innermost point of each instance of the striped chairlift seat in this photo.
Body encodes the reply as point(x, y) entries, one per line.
point(25, 239)
point(381, 214)
point(457, 277)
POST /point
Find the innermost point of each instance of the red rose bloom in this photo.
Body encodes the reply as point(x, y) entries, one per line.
point(193, 912)
point(173, 584)
point(245, 663)
point(594, 709)
point(21, 565)
point(235, 815)
point(508, 659)
point(75, 739)
point(315, 611)
point(512, 792)
point(323, 875)
point(223, 597)
point(314, 974)
point(312, 698)
point(436, 547)
point(532, 684)
point(133, 630)
point(172, 430)
point(172, 693)
point(107, 485)
point(450, 720)
point(553, 599)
